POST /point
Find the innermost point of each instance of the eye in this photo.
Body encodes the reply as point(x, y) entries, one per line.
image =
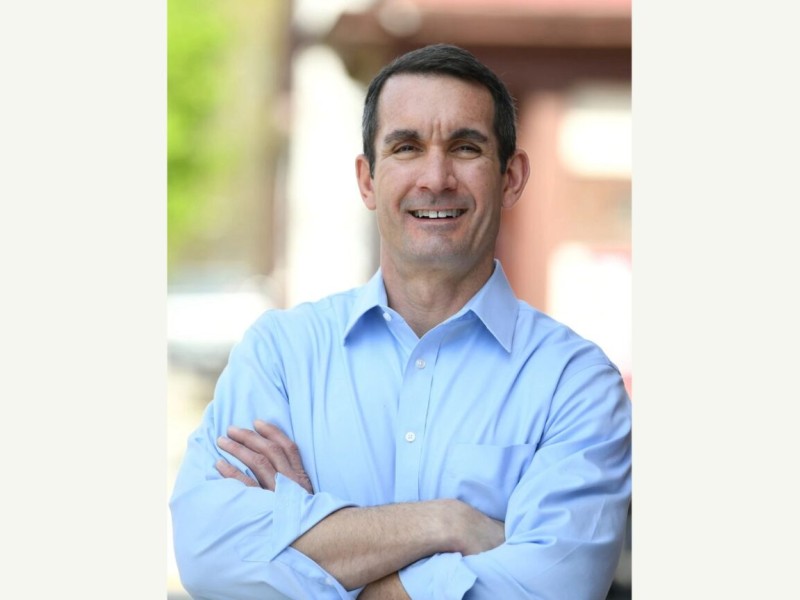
point(404, 148)
point(467, 149)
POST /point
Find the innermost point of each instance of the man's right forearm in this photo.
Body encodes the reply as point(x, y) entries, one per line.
point(361, 545)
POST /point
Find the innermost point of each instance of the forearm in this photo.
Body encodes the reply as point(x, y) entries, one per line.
point(355, 545)
point(387, 588)
point(361, 545)
point(565, 519)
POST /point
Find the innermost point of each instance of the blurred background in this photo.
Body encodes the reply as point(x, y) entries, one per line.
point(264, 109)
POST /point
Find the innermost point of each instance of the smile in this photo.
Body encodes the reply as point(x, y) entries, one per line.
point(438, 214)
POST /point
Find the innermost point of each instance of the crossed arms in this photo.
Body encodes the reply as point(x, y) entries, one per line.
point(361, 546)
point(255, 526)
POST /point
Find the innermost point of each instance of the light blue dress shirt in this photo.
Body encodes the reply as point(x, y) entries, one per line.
point(499, 406)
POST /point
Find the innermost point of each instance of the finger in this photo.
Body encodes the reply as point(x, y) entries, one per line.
point(287, 445)
point(258, 463)
point(266, 451)
point(272, 432)
point(291, 452)
point(228, 471)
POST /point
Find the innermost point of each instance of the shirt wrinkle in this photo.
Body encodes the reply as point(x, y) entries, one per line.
point(379, 419)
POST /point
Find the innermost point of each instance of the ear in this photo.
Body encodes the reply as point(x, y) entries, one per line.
point(516, 176)
point(365, 181)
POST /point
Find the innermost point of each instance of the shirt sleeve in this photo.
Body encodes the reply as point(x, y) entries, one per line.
point(566, 518)
point(231, 540)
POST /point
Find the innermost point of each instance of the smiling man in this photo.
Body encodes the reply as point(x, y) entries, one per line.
point(437, 183)
point(427, 435)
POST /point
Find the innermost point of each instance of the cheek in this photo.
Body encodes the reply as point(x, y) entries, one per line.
point(390, 199)
point(488, 198)
point(395, 180)
point(384, 218)
point(480, 180)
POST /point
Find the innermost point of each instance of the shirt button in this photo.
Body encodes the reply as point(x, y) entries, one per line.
point(411, 436)
point(387, 316)
point(420, 363)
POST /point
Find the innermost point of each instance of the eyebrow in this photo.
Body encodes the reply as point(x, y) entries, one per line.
point(399, 135)
point(465, 133)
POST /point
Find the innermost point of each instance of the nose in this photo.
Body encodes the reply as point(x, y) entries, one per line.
point(436, 174)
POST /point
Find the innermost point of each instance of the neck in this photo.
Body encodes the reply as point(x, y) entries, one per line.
point(426, 296)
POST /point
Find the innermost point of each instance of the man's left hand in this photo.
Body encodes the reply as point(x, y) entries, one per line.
point(266, 451)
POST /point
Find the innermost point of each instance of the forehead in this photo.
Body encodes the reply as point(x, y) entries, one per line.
point(420, 101)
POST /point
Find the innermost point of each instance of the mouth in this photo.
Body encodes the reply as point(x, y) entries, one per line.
point(451, 213)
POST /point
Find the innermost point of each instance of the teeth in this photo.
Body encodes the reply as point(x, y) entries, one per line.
point(436, 214)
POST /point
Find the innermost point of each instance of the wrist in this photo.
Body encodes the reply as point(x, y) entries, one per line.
point(451, 517)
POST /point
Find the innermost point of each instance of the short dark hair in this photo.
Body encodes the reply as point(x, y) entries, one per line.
point(444, 59)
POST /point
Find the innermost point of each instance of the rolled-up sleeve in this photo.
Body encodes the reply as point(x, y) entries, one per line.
point(242, 550)
point(231, 540)
point(443, 576)
point(566, 518)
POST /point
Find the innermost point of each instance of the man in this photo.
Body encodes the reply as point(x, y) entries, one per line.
point(427, 435)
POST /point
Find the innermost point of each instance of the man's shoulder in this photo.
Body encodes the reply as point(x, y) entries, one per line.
point(539, 333)
point(310, 318)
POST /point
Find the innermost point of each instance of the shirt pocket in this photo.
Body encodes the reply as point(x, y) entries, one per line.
point(484, 475)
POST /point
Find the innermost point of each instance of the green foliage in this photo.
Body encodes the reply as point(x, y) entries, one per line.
point(199, 36)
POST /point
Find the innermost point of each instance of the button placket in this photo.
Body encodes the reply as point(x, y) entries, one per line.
point(412, 413)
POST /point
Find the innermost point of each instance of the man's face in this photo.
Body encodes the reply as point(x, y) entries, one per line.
point(437, 187)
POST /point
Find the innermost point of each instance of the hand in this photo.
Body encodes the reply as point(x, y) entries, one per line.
point(473, 531)
point(266, 451)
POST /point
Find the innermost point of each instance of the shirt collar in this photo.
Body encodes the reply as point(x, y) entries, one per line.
point(371, 295)
point(495, 305)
